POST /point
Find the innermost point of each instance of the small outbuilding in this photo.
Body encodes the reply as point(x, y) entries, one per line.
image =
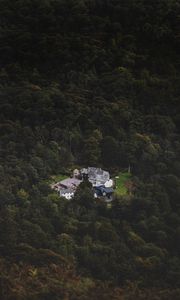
point(76, 173)
point(66, 193)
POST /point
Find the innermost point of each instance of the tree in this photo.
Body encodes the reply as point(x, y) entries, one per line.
point(110, 152)
point(91, 149)
point(84, 195)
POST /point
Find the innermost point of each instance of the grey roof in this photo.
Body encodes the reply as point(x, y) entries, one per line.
point(70, 182)
point(99, 171)
point(98, 174)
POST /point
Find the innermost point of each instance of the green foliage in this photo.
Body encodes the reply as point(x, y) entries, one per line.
point(89, 83)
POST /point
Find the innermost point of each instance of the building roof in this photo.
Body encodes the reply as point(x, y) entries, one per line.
point(66, 191)
point(70, 182)
point(109, 183)
point(102, 189)
point(96, 174)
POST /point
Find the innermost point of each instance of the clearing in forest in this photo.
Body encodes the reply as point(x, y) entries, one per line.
point(121, 181)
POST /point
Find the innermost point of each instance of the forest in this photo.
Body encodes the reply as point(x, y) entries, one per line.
point(89, 83)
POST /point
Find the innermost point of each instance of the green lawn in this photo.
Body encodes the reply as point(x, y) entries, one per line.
point(121, 180)
point(59, 177)
point(56, 178)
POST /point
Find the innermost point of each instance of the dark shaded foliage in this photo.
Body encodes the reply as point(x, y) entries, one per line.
point(89, 82)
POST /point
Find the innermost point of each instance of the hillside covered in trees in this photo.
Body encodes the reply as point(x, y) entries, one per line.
point(89, 83)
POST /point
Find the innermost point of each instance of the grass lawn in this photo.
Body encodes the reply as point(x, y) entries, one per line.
point(59, 177)
point(56, 178)
point(121, 180)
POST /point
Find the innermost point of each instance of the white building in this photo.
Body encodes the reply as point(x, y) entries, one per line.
point(66, 193)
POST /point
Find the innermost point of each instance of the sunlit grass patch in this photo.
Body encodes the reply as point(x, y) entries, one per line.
point(120, 180)
point(56, 178)
point(59, 177)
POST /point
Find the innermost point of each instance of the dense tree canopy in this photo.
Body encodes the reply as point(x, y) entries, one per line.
point(89, 82)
